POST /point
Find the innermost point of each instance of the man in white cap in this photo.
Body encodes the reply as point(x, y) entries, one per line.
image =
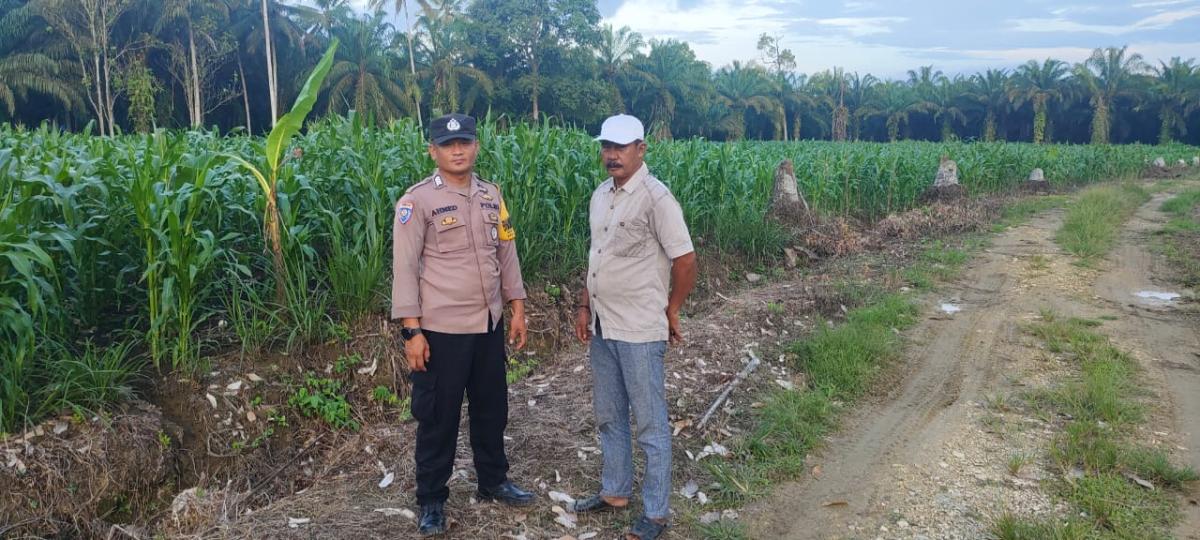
point(641, 267)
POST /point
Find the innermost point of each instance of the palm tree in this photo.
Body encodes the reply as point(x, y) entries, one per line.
point(25, 73)
point(747, 87)
point(830, 86)
point(446, 49)
point(803, 100)
point(859, 90)
point(669, 75)
point(614, 51)
point(990, 91)
point(1040, 84)
point(362, 76)
point(1108, 74)
point(895, 102)
point(1177, 89)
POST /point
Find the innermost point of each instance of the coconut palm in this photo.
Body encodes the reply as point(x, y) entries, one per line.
point(1108, 74)
point(1040, 84)
point(1177, 91)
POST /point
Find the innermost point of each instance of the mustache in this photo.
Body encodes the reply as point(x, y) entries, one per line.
point(612, 164)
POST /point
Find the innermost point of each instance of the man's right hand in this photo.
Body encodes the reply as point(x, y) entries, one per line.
point(583, 324)
point(417, 351)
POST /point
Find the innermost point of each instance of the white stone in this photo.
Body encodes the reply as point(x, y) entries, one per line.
point(1037, 175)
point(1160, 162)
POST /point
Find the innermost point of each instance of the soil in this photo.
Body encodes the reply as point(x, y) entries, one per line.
point(930, 452)
point(931, 457)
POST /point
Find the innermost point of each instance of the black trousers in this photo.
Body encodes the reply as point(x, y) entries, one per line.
point(457, 362)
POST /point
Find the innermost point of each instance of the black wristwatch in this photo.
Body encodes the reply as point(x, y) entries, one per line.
point(409, 333)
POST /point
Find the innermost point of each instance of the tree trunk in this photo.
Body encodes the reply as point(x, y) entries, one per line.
point(1100, 121)
point(989, 127)
point(245, 93)
point(1164, 132)
point(272, 83)
point(534, 65)
point(1039, 123)
point(197, 111)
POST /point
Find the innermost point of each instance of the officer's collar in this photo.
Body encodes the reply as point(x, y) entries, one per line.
point(476, 183)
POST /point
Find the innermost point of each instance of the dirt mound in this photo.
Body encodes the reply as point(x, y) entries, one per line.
point(83, 478)
point(937, 219)
point(951, 192)
point(1154, 171)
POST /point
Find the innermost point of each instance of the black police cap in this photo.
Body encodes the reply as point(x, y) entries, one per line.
point(452, 126)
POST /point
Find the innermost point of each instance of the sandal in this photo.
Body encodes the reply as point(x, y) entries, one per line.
point(646, 529)
point(595, 503)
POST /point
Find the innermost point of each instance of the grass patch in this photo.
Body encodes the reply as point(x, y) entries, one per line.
point(1020, 211)
point(840, 362)
point(939, 261)
point(1013, 527)
point(1096, 452)
point(722, 530)
point(1181, 244)
point(1093, 221)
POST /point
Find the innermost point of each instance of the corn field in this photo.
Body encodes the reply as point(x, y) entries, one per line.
point(120, 252)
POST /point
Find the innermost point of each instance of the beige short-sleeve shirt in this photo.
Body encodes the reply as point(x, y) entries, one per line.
point(454, 262)
point(637, 230)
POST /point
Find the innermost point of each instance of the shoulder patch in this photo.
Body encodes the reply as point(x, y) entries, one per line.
point(507, 232)
point(404, 212)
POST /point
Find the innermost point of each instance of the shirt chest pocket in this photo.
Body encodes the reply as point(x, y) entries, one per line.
point(491, 226)
point(451, 233)
point(631, 239)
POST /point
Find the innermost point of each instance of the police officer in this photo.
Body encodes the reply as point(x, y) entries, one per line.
point(454, 266)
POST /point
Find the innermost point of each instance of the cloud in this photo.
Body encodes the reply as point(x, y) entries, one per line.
point(720, 31)
point(863, 26)
point(1157, 21)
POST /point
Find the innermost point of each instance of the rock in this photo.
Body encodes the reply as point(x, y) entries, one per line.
point(1181, 163)
point(1196, 161)
point(947, 174)
point(753, 278)
point(1160, 162)
point(1037, 175)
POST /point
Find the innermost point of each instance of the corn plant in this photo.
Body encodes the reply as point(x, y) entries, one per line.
point(273, 158)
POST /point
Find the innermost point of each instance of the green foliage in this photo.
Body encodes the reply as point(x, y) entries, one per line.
point(322, 398)
point(1098, 441)
point(1094, 219)
point(346, 363)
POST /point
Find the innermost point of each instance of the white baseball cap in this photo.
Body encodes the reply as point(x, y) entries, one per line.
point(622, 129)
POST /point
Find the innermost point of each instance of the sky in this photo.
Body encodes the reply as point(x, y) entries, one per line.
point(887, 38)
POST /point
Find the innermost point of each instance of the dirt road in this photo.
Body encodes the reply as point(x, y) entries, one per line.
point(933, 457)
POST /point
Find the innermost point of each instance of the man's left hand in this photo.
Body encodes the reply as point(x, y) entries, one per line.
point(517, 332)
point(676, 329)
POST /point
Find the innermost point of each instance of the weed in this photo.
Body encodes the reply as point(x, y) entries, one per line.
point(1090, 228)
point(322, 398)
point(346, 363)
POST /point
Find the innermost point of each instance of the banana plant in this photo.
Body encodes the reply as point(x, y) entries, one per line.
point(273, 159)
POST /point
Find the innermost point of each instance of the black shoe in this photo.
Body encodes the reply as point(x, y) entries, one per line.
point(595, 503)
point(433, 520)
point(507, 493)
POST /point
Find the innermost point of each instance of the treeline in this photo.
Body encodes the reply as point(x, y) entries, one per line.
point(133, 65)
